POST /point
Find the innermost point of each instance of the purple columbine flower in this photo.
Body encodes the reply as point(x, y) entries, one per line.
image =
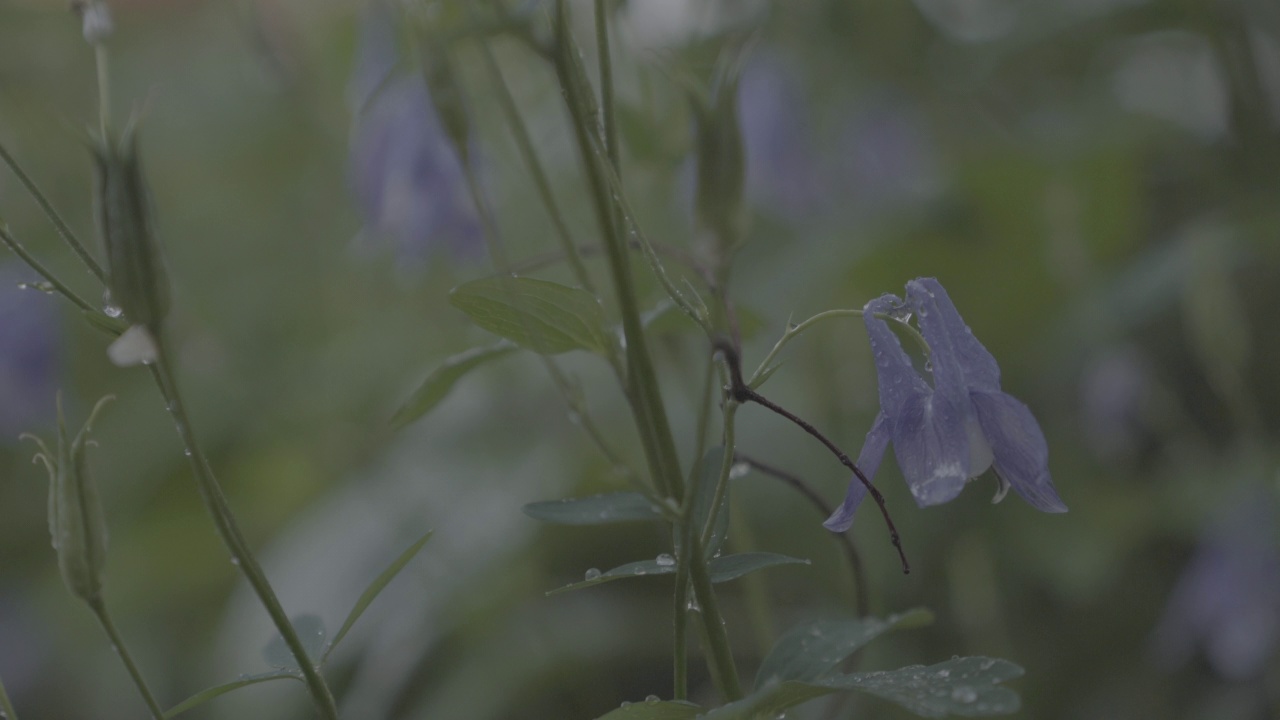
point(1228, 597)
point(405, 173)
point(949, 432)
point(29, 350)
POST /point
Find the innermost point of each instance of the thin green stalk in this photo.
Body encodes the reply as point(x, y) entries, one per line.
point(762, 372)
point(704, 416)
point(726, 465)
point(117, 643)
point(680, 639)
point(524, 143)
point(12, 243)
point(104, 88)
point(6, 707)
point(64, 230)
point(725, 671)
point(241, 554)
point(606, 86)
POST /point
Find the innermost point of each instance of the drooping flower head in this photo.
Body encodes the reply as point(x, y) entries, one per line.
point(405, 172)
point(952, 430)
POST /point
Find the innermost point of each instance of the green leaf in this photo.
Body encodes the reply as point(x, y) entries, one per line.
point(596, 509)
point(442, 379)
point(542, 316)
point(968, 686)
point(810, 650)
point(654, 710)
point(243, 681)
point(732, 567)
point(370, 593)
point(721, 569)
point(311, 632)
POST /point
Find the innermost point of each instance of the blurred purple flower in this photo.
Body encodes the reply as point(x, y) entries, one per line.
point(885, 156)
point(405, 173)
point(28, 355)
point(1114, 388)
point(782, 172)
point(948, 433)
point(1228, 598)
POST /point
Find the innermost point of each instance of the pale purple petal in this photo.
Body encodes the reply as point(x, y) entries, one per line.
point(1020, 450)
point(897, 378)
point(868, 462)
point(932, 446)
point(29, 354)
point(942, 325)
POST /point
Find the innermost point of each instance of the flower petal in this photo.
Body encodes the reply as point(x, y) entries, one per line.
point(932, 446)
point(896, 376)
point(941, 322)
point(1021, 453)
point(868, 462)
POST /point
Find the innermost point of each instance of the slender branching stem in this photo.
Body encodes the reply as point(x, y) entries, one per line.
point(606, 86)
point(726, 466)
point(524, 144)
point(724, 670)
point(64, 230)
point(12, 243)
point(763, 371)
point(6, 706)
point(229, 530)
point(743, 393)
point(680, 638)
point(856, 573)
point(117, 643)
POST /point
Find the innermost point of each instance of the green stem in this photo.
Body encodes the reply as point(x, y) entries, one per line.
point(59, 224)
point(680, 639)
point(606, 86)
point(104, 89)
point(641, 380)
point(117, 643)
point(6, 707)
point(241, 554)
point(524, 143)
point(762, 372)
point(725, 671)
point(726, 464)
point(12, 243)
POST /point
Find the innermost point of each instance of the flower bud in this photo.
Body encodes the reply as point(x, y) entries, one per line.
point(135, 270)
point(76, 521)
point(95, 20)
point(721, 164)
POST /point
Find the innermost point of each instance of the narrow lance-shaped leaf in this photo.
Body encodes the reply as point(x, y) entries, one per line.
point(596, 509)
point(208, 694)
point(370, 593)
point(542, 316)
point(312, 633)
point(442, 379)
point(654, 710)
point(721, 569)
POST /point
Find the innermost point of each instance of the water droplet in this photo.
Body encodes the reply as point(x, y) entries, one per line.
point(987, 664)
point(574, 418)
point(665, 560)
point(739, 470)
point(592, 573)
point(651, 699)
point(693, 606)
point(112, 311)
point(235, 561)
point(944, 673)
point(964, 694)
point(187, 452)
point(626, 703)
point(928, 365)
point(640, 570)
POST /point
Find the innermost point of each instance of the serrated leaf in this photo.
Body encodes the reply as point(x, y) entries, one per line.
point(244, 681)
point(371, 593)
point(596, 509)
point(969, 687)
point(811, 650)
point(721, 569)
point(540, 315)
point(708, 476)
point(656, 710)
point(311, 632)
point(442, 379)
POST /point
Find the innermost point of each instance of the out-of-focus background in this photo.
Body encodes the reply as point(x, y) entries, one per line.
point(1095, 182)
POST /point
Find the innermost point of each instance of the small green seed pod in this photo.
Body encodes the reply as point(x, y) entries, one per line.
point(135, 269)
point(77, 524)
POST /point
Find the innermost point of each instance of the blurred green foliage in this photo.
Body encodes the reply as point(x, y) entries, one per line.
point(1094, 182)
